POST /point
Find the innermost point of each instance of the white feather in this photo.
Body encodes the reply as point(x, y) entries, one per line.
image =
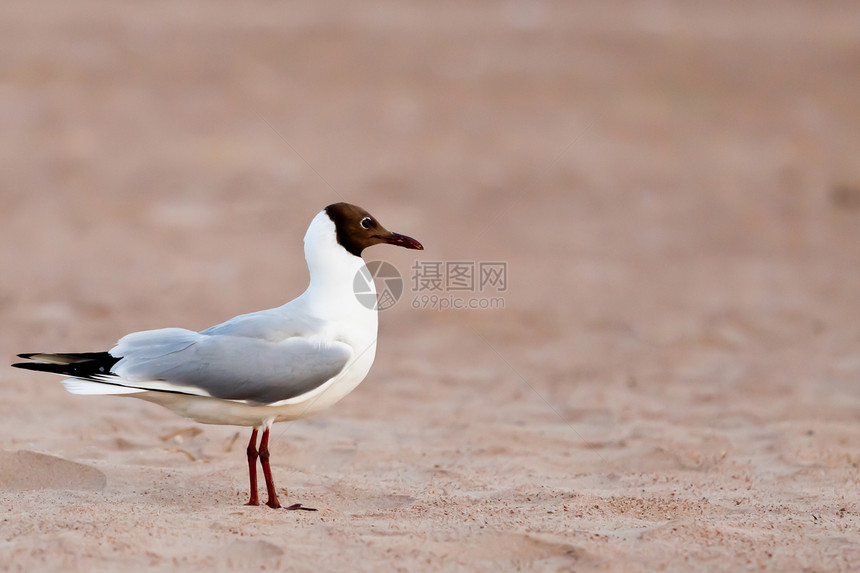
point(86, 387)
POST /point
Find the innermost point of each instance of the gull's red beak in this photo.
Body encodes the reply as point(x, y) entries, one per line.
point(401, 241)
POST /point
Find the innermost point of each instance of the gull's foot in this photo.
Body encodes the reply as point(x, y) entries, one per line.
point(274, 504)
point(253, 502)
point(298, 506)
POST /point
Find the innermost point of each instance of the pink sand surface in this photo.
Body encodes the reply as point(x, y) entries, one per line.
point(673, 384)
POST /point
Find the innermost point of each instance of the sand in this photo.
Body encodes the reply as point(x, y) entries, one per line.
point(673, 383)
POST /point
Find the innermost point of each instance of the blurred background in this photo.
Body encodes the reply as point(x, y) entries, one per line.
point(674, 187)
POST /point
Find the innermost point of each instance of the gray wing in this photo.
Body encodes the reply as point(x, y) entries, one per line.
point(225, 366)
point(273, 325)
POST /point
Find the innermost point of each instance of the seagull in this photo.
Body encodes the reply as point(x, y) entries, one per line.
point(255, 369)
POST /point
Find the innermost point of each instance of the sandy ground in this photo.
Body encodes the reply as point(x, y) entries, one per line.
point(673, 384)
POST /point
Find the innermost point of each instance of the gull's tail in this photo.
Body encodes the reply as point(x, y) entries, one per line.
point(79, 365)
point(88, 372)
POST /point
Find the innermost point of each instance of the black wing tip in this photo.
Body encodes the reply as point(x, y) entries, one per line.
point(37, 366)
point(26, 365)
point(76, 365)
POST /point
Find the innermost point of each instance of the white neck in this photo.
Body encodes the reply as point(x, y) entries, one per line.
point(332, 269)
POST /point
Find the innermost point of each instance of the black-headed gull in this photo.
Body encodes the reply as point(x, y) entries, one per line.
point(260, 368)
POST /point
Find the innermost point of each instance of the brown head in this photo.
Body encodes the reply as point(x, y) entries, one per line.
point(357, 229)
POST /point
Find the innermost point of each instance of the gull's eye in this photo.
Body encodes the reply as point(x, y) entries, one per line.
point(366, 222)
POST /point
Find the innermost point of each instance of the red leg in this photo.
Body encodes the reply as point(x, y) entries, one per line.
point(267, 471)
point(252, 467)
